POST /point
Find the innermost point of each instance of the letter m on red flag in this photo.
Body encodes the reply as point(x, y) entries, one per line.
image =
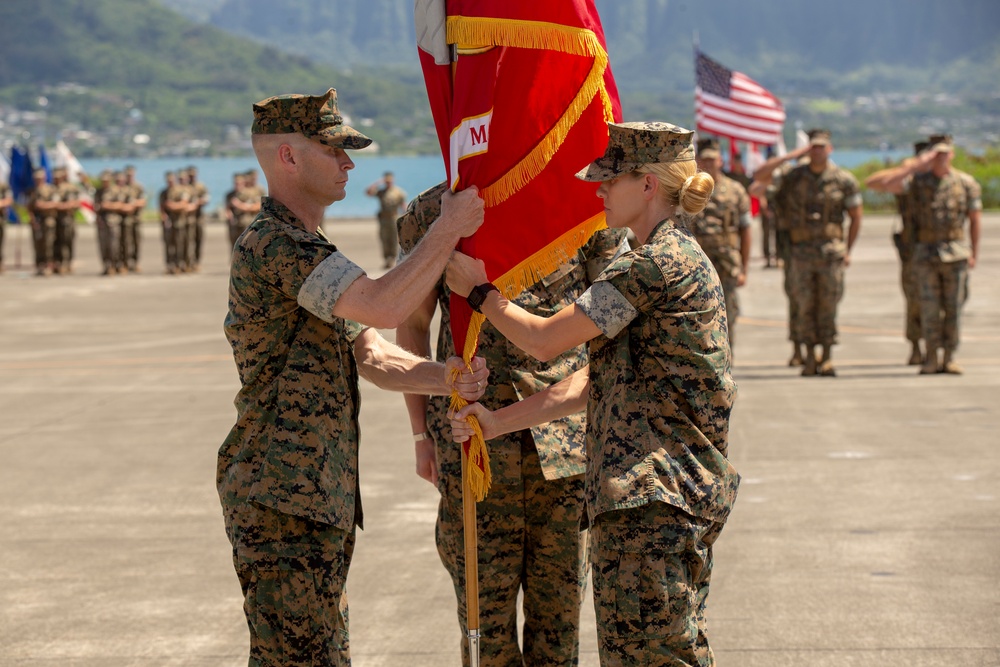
point(521, 92)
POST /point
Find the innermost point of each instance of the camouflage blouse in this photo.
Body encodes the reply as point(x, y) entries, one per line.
point(514, 374)
point(294, 447)
point(940, 206)
point(717, 227)
point(660, 385)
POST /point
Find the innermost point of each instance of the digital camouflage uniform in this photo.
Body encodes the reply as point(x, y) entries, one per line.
point(390, 199)
point(529, 524)
point(717, 229)
point(905, 240)
point(65, 241)
point(247, 195)
point(179, 235)
point(112, 241)
point(814, 206)
point(43, 225)
point(199, 193)
point(941, 254)
point(659, 486)
point(131, 236)
point(288, 471)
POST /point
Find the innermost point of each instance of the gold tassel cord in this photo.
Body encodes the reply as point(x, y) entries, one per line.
point(478, 468)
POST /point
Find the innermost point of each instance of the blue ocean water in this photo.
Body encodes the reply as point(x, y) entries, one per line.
point(413, 174)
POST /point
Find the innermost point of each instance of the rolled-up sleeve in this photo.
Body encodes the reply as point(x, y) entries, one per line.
point(326, 284)
point(607, 308)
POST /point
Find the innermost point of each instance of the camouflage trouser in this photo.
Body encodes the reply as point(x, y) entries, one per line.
point(911, 293)
point(112, 245)
point(178, 241)
point(131, 238)
point(198, 231)
point(818, 286)
point(652, 566)
point(783, 249)
point(942, 293)
point(62, 247)
point(44, 236)
point(388, 237)
point(293, 572)
point(529, 539)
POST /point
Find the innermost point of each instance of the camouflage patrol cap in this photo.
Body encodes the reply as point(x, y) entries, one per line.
point(631, 145)
point(819, 137)
point(708, 148)
point(940, 143)
point(314, 116)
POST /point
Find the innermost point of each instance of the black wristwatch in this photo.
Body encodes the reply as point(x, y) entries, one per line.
point(478, 295)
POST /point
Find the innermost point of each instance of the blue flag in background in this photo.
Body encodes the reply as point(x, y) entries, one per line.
point(21, 183)
point(43, 162)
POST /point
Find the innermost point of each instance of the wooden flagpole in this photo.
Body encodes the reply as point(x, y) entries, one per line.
point(470, 530)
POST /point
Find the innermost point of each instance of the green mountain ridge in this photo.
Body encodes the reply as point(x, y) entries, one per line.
point(105, 73)
point(122, 68)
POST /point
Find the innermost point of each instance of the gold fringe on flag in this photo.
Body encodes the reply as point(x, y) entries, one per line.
point(471, 33)
point(537, 35)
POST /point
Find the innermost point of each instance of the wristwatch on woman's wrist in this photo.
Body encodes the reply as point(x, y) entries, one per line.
point(478, 295)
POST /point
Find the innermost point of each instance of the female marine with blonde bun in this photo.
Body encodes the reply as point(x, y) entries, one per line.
point(658, 394)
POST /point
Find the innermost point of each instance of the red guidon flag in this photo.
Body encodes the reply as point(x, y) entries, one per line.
point(521, 92)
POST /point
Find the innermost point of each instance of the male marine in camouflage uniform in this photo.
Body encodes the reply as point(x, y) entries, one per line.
point(246, 202)
point(391, 199)
point(101, 220)
point(942, 198)
point(767, 180)
point(44, 208)
point(723, 229)
point(199, 199)
point(905, 239)
point(814, 199)
point(298, 309)
point(131, 237)
point(529, 533)
point(177, 200)
point(231, 210)
point(69, 204)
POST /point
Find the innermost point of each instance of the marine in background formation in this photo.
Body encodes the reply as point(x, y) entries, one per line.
point(243, 202)
point(814, 199)
point(941, 198)
point(722, 228)
point(391, 199)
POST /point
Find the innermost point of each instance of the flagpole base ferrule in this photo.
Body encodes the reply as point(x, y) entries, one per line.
point(473, 648)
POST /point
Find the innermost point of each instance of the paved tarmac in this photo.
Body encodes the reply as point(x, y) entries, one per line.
point(867, 530)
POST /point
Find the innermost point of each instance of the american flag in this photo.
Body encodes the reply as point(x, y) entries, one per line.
point(731, 104)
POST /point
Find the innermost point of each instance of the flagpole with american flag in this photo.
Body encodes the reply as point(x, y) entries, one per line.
point(731, 104)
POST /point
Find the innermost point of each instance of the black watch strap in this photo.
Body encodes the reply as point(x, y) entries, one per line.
point(478, 295)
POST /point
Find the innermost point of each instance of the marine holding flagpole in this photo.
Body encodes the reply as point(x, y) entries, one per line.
point(658, 393)
point(300, 323)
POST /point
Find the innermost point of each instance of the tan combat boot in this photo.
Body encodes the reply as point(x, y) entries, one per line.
point(949, 366)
